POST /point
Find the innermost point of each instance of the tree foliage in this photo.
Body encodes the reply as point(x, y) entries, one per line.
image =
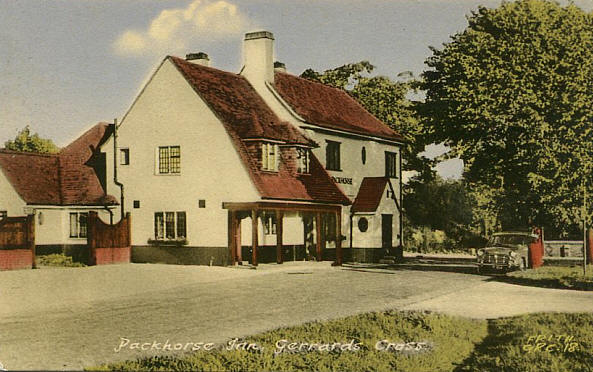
point(385, 99)
point(27, 142)
point(511, 95)
point(441, 204)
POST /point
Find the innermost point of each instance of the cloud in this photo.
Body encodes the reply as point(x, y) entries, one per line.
point(174, 29)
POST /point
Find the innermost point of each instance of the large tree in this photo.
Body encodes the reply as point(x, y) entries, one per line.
point(27, 142)
point(512, 96)
point(386, 99)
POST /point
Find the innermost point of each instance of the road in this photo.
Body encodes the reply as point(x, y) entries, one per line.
point(74, 318)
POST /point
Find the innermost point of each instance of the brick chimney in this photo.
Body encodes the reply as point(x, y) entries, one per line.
point(199, 58)
point(258, 57)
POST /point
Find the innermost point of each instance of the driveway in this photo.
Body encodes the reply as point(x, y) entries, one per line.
point(74, 318)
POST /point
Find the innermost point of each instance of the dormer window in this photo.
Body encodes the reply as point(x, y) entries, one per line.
point(269, 157)
point(303, 160)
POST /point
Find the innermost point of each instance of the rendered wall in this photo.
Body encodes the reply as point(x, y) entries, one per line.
point(169, 113)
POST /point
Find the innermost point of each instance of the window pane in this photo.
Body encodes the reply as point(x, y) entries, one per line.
point(82, 219)
point(332, 154)
point(170, 225)
point(175, 152)
point(73, 225)
point(264, 156)
point(390, 164)
point(159, 231)
point(124, 158)
point(163, 160)
point(181, 232)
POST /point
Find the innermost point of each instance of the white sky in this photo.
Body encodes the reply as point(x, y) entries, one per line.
point(65, 65)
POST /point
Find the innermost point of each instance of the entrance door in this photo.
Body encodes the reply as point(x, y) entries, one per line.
point(387, 231)
point(309, 238)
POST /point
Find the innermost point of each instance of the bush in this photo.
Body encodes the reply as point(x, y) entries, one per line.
point(554, 277)
point(57, 260)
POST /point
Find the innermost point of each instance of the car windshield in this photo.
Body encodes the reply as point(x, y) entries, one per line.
point(510, 240)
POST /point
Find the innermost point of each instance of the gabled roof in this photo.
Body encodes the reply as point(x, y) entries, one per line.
point(330, 107)
point(370, 194)
point(66, 178)
point(238, 105)
point(246, 117)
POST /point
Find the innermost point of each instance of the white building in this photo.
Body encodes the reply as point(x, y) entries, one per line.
point(217, 167)
point(59, 189)
point(215, 163)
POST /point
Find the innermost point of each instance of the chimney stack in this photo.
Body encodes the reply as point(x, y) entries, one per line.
point(199, 58)
point(258, 57)
point(279, 67)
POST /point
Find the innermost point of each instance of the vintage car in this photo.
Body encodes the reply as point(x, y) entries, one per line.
point(505, 251)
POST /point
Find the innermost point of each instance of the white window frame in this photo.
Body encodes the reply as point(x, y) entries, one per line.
point(269, 223)
point(303, 160)
point(161, 169)
point(166, 223)
point(78, 230)
point(124, 156)
point(270, 156)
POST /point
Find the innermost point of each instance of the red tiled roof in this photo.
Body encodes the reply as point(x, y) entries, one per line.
point(246, 116)
point(33, 176)
point(65, 178)
point(238, 105)
point(370, 194)
point(330, 107)
point(79, 183)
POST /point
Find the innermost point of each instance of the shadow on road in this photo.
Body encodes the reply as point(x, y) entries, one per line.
point(419, 265)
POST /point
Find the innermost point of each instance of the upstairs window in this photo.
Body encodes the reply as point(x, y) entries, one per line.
point(303, 160)
point(390, 164)
point(270, 156)
point(169, 160)
point(169, 225)
point(124, 156)
point(332, 156)
point(78, 224)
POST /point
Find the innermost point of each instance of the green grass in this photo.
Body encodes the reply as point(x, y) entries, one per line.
point(554, 277)
point(57, 260)
point(512, 344)
point(452, 340)
point(457, 344)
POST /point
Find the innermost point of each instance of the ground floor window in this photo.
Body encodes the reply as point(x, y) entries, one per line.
point(78, 224)
point(3, 215)
point(269, 221)
point(329, 226)
point(170, 225)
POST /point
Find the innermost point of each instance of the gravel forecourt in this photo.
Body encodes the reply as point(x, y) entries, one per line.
point(71, 318)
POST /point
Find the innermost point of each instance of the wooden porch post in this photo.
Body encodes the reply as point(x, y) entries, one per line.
point(318, 235)
point(254, 237)
point(338, 238)
point(279, 230)
point(231, 236)
point(238, 247)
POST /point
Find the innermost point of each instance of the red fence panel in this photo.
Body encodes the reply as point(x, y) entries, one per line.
point(17, 243)
point(107, 243)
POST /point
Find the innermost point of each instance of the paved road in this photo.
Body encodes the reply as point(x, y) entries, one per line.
point(72, 318)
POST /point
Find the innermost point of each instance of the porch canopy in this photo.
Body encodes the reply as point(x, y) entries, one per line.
point(254, 209)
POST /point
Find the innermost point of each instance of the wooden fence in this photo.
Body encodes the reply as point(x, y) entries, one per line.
point(17, 243)
point(107, 243)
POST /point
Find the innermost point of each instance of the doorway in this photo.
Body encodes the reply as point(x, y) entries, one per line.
point(387, 231)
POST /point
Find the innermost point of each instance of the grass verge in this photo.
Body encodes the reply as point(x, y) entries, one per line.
point(57, 260)
point(521, 343)
point(554, 277)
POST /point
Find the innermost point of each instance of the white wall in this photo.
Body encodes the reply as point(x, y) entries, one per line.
point(54, 226)
point(169, 113)
point(372, 238)
point(10, 201)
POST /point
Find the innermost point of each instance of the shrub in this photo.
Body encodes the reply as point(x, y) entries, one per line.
point(57, 260)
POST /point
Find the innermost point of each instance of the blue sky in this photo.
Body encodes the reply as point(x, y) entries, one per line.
point(65, 65)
